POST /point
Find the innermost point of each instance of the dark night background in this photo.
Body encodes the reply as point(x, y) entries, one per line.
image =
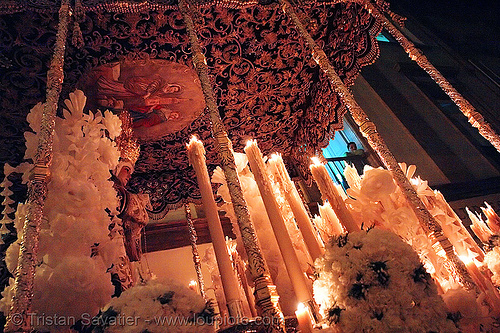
point(469, 27)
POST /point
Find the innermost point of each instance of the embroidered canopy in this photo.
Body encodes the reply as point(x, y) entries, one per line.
point(136, 56)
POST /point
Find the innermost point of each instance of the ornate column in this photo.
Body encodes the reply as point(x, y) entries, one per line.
point(19, 319)
point(474, 117)
point(193, 237)
point(427, 221)
point(266, 297)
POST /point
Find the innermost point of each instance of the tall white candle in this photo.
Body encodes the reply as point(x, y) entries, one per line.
point(304, 319)
point(277, 222)
point(292, 196)
point(484, 284)
point(479, 227)
point(329, 192)
point(333, 225)
point(196, 154)
point(491, 216)
point(241, 273)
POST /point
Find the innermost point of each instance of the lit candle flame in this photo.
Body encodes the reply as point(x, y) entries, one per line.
point(304, 318)
point(194, 138)
point(316, 160)
point(250, 142)
point(275, 156)
point(466, 260)
point(193, 285)
point(301, 307)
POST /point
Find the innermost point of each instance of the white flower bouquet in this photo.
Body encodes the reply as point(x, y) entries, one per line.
point(372, 281)
point(157, 306)
point(72, 278)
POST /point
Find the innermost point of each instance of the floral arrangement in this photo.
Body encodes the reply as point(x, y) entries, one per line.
point(157, 306)
point(376, 200)
point(372, 281)
point(76, 247)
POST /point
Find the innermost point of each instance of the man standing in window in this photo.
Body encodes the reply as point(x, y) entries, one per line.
point(356, 157)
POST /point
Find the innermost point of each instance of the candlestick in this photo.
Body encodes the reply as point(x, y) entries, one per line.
point(352, 176)
point(369, 130)
point(277, 222)
point(239, 267)
point(322, 236)
point(292, 196)
point(266, 297)
point(304, 318)
point(211, 264)
point(329, 192)
point(196, 154)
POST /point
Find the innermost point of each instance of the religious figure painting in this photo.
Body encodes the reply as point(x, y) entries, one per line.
point(162, 97)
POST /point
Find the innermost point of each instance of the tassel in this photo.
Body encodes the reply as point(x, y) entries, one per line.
point(79, 17)
point(77, 38)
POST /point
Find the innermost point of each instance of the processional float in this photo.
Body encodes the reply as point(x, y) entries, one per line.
point(192, 39)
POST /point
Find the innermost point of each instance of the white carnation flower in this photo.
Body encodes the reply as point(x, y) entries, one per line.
point(12, 257)
point(61, 290)
point(34, 117)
